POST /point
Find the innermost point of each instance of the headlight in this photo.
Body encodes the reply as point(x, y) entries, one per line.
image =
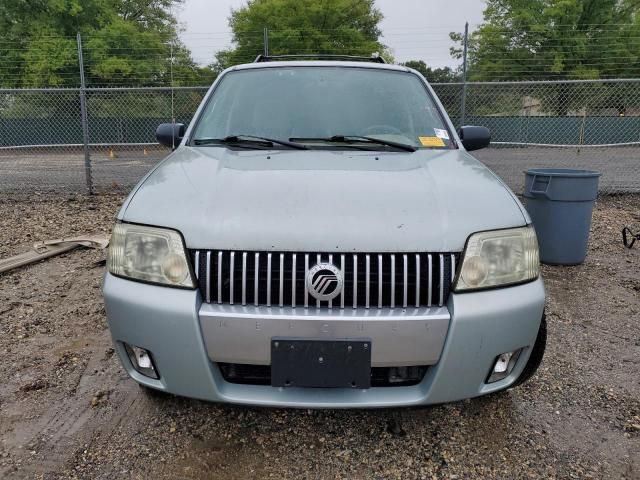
point(499, 258)
point(149, 254)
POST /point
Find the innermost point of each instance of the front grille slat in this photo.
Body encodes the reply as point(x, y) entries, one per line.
point(231, 272)
point(331, 262)
point(393, 281)
point(380, 283)
point(453, 267)
point(268, 280)
point(405, 269)
point(441, 280)
point(430, 280)
point(318, 260)
point(355, 281)
point(418, 279)
point(281, 290)
point(306, 287)
point(244, 278)
point(370, 280)
point(342, 269)
point(219, 277)
point(293, 281)
point(256, 279)
point(197, 265)
point(209, 277)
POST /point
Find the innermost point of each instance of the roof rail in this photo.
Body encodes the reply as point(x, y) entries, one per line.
point(375, 57)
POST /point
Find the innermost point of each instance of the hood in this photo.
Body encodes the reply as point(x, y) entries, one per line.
point(340, 201)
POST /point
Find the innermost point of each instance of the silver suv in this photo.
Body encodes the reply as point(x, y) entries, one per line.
point(320, 237)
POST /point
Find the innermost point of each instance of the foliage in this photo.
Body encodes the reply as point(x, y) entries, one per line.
point(125, 42)
point(554, 39)
point(434, 75)
point(348, 27)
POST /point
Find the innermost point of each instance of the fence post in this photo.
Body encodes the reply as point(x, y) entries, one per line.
point(266, 42)
point(463, 102)
point(173, 111)
point(84, 118)
point(582, 129)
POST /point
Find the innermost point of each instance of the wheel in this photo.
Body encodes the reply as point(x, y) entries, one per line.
point(536, 354)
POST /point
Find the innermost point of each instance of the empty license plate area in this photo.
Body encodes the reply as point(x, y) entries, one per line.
point(299, 362)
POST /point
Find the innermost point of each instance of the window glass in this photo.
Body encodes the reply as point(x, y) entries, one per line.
point(320, 102)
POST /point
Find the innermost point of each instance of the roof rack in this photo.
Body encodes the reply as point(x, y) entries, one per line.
point(375, 57)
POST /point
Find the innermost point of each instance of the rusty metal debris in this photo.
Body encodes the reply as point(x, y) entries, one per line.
point(50, 248)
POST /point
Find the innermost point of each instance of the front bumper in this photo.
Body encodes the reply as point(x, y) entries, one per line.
point(400, 337)
point(477, 328)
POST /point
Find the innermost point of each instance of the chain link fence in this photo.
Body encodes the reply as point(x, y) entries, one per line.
point(42, 142)
point(569, 124)
point(593, 125)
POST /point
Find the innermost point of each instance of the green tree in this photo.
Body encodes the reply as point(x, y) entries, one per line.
point(125, 42)
point(554, 39)
point(434, 75)
point(349, 27)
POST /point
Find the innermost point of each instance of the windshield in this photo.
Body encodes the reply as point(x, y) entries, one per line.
point(317, 105)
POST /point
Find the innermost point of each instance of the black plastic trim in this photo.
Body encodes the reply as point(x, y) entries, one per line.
point(319, 56)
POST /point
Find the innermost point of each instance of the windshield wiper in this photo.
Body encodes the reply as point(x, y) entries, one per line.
point(358, 138)
point(240, 139)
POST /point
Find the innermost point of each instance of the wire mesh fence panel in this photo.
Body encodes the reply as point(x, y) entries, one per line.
point(41, 137)
point(41, 140)
point(619, 166)
point(122, 125)
point(592, 125)
point(580, 124)
point(39, 117)
point(450, 95)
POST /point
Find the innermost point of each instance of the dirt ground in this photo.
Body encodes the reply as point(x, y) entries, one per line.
point(68, 410)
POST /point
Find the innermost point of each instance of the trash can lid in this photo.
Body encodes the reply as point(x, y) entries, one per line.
point(562, 172)
point(561, 184)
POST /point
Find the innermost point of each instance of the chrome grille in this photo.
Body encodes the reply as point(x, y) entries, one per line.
point(371, 280)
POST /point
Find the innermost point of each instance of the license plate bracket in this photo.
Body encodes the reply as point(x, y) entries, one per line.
point(303, 362)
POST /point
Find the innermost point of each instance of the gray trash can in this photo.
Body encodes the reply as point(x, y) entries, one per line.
point(560, 202)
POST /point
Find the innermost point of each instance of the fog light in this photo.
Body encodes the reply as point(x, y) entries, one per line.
point(503, 365)
point(141, 360)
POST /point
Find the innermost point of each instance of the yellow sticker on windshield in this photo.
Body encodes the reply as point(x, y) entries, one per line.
point(431, 141)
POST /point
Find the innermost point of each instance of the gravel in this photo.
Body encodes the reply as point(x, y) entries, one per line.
point(68, 410)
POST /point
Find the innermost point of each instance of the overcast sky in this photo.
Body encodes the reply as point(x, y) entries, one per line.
point(414, 29)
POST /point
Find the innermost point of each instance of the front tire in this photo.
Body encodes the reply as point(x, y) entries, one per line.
point(535, 359)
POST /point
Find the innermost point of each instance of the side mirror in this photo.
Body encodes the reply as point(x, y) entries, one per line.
point(170, 134)
point(474, 138)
